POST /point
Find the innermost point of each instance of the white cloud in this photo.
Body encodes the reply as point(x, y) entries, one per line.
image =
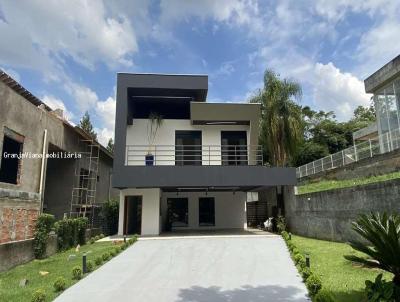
point(337, 91)
point(84, 97)
point(55, 103)
point(103, 135)
point(40, 35)
point(106, 112)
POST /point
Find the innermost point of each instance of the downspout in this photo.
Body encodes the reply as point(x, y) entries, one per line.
point(41, 184)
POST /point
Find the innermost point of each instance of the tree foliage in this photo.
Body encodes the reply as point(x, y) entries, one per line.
point(86, 125)
point(110, 145)
point(281, 118)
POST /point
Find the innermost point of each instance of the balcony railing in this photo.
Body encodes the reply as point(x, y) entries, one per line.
point(193, 155)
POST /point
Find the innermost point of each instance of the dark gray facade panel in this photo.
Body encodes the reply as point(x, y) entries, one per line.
point(202, 176)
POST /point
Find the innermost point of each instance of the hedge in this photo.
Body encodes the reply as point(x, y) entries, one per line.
point(70, 232)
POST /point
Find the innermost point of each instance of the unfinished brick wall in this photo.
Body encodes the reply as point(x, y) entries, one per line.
point(18, 214)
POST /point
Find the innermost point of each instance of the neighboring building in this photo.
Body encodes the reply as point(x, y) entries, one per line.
point(199, 168)
point(31, 185)
point(385, 85)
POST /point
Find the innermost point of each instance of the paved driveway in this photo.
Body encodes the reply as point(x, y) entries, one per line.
point(216, 269)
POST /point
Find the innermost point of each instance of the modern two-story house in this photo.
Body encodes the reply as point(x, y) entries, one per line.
point(182, 163)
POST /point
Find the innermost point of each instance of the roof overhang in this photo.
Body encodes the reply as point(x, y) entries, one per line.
point(383, 76)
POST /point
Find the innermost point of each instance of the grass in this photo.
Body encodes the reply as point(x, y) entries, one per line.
point(57, 265)
point(342, 278)
point(337, 184)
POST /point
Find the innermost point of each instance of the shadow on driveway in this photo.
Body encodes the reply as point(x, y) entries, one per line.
point(265, 293)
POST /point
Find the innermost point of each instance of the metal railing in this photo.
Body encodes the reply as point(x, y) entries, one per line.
point(386, 142)
point(194, 155)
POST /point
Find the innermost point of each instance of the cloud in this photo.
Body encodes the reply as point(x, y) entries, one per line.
point(338, 91)
point(104, 135)
point(41, 35)
point(55, 103)
point(84, 97)
point(106, 112)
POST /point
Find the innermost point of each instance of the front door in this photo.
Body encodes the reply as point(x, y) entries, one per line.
point(133, 215)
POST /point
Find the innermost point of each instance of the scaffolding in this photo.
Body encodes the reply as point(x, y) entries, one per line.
point(83, 197)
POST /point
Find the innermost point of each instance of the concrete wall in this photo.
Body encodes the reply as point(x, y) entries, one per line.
point(18, 252)
point(24, 118)
point(150, 210)
point(328, 214)
point(230, 209)
point(377, 165)
point(211, 135)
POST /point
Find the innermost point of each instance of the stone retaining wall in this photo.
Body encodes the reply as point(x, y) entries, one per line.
point(328, 214)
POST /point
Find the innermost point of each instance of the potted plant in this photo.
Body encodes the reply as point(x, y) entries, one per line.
point(155, 122)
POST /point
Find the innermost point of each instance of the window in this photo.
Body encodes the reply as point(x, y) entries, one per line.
point(234, 148)
point(178, 212)
point(206, 211)
point(10, 164)
point(188, 148)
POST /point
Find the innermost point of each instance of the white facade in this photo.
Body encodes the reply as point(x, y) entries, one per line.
point(137, 137)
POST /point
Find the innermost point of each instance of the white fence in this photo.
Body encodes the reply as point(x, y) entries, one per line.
point(382, 144)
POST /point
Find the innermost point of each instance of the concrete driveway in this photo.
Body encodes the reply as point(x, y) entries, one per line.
point(211, 269)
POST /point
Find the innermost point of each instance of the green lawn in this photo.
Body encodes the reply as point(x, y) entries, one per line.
point(342, 278)
point(336, 184)
point(57, 265)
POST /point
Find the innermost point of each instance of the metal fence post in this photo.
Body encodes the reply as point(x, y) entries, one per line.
point(313, 165)
point(370, 148)
point(355, 152)
point(344, 160)
point(388, 140)
point(332, 160)
point(322, 164)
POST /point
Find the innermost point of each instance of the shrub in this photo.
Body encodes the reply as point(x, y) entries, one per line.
point(123, 247)
point(60, 284)
point(295, 251)
point(117, 249)
point(281, 224)
point(323, 296)
point(91, 241)
point(305, 273)
point(101, 236)
point(39, 296)
point(89, 266)
point(105, 256)
point(382, 233)
point(380, 290)
point(96, 237)
point(44, 224)
point(302, 263)
point(71, 232)
point(76, 273)
point(290, 245)
point(285, 235)
point(98, 261)
point(112, 253)
point(313, 284)
point(110, 213)
point(297, 258)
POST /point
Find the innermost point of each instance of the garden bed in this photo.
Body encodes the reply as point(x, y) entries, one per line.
point(41, 274)
point(340, 277)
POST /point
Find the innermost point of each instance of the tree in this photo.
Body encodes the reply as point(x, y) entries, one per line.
point(110, 145)
point(281, 118)
point(110, 213)
point(86, 125)
point(382, 233)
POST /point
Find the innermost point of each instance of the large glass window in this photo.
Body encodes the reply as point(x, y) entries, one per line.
point(178, 212)
point(206, 211)
point(234, 148)
point(188, 148)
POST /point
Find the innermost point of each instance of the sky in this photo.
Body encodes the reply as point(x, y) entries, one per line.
point(68, 52)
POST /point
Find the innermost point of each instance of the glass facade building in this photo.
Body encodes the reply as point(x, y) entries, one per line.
point(387, 106)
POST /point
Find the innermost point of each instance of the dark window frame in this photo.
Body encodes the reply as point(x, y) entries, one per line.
point(231, 155)
point(195, 151)
point(15, 138)
point(185, 221)
point(202, 213)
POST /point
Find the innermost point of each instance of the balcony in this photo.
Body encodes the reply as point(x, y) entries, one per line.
point(194, 155)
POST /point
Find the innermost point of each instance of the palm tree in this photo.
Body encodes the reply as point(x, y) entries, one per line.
point(382, 233)
point(281, 119)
